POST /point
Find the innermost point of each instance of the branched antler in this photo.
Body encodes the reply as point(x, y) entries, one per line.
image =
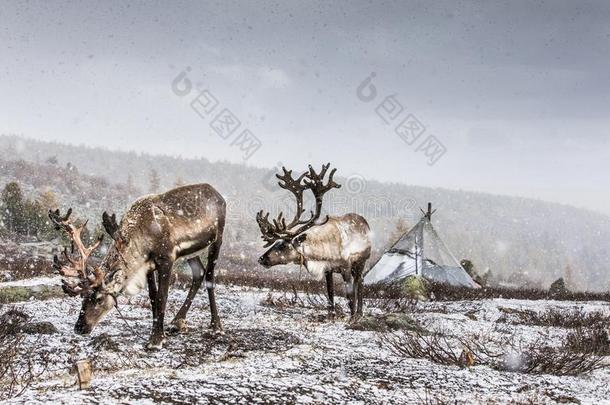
point(110, 225)
point(315, 182)
point(296, 188)
point(268, 230)
point(75, 266)
point(310, 180)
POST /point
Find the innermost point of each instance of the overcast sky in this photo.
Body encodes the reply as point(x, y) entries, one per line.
point(517, 92)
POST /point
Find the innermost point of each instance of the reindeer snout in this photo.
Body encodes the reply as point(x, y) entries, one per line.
point(82, 329)
point(263, 261)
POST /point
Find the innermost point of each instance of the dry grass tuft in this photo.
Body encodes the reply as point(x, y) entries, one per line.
point(285, 300)
point(577, 354)
point(594, 339)
point(444, 292)
point(540, 358)
point(20, 366)
point(574, 318)
point(437, 348)
point(394, 304)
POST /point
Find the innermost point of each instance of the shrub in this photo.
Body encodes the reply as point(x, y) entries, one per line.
point(575, 355)
point(19, 366)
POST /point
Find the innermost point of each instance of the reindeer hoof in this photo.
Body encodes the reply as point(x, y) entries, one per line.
point(354, 319)
point(178, 326)
point(155, 343)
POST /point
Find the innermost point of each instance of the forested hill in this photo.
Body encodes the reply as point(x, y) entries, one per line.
point(520, 240)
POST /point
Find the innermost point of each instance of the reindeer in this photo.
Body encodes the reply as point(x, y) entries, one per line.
point(333, 245)
point(156, 231)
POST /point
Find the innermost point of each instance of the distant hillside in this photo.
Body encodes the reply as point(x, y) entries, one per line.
point(519, 239)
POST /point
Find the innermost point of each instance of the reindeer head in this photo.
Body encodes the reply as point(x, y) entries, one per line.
point(93, 284)
point(286, 238)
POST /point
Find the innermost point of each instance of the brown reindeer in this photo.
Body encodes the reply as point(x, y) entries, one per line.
point(333, 245)
point(156, 231)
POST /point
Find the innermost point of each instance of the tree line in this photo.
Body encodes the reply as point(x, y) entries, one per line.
point(25, 217)
point(22, 218)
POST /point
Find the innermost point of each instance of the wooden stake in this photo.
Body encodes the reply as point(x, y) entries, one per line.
point(84, 371)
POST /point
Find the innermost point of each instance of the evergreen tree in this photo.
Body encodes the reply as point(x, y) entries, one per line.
point(34, 219)
point(155, 181)
point(26, 217)
point(572, 280)
point(52, 160)
point(13, 208)
point(179, 182)
point(130, 186)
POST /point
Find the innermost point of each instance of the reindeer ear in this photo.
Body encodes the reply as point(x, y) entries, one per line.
point(299, 239)
point(110, 225)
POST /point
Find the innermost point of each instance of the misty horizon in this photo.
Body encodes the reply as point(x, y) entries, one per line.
point(515, 96)
point(356, 177)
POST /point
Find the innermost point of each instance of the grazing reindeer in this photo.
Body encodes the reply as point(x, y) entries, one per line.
point(155, 232)
point(334, 245)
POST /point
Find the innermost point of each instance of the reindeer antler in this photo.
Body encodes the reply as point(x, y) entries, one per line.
point(296, 188)
point(310, 180)
point(268, 230)
point(315, 182)
point(75, 266)
point(110, 225)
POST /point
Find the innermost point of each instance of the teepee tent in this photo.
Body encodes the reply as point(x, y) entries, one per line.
point(420, 252)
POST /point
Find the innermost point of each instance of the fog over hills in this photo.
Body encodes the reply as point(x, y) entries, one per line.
point(519, 239)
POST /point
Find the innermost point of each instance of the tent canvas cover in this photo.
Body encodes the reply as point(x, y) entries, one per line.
point(420, 252)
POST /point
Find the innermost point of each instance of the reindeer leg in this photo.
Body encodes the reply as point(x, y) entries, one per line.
point(330, 290)
point(349, 291)
point(164, 269)
point(210, 285)
point(358, 282)
point(179, 322)
point(354, 300)
point(152, 291)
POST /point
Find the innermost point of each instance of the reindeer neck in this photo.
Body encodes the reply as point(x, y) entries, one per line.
point(134, 265)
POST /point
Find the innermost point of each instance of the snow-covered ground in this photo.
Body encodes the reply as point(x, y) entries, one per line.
point(289, 355)
point(33, 282)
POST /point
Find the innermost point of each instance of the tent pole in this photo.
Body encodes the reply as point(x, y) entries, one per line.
point(420, 247)
point(416, 259)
